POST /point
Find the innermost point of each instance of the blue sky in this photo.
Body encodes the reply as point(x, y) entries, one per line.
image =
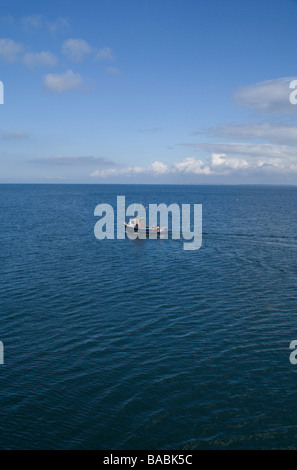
point(148, 91)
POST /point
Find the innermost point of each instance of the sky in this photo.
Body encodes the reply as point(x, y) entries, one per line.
point(148, 91)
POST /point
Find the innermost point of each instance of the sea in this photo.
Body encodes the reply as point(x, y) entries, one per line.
point(140, 344)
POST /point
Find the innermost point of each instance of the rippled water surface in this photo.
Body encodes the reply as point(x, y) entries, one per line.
point(122, 344)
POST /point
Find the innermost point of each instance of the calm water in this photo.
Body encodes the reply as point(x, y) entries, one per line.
point(140, 344)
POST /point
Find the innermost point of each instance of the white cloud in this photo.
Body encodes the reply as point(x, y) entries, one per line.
point(32, 59)
point(277, 133)
point(10, 50)
point(103, 173)
point(227, 158)
point(32, 21)
point(248, 150)
point(76, 49)
point(14, 135)
point(271, 96)
point(240, 159)
point(159, 168)
point(191, 165)
point(268, 149)
point(59, 25)
point(105, 53)
point(220, 160)
point(156, 168)
point(112, 70)
point(58, 83)
point(216, 164)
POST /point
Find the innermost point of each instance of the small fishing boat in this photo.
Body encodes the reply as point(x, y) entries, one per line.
point(137, 224)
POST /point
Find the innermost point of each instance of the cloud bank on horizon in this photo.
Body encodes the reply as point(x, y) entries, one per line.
point(274, 153)
point(248, 135)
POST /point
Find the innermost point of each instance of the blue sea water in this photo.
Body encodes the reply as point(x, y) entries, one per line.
point(121, 344)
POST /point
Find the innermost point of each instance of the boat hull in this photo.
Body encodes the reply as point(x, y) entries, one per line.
point(147, 230)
